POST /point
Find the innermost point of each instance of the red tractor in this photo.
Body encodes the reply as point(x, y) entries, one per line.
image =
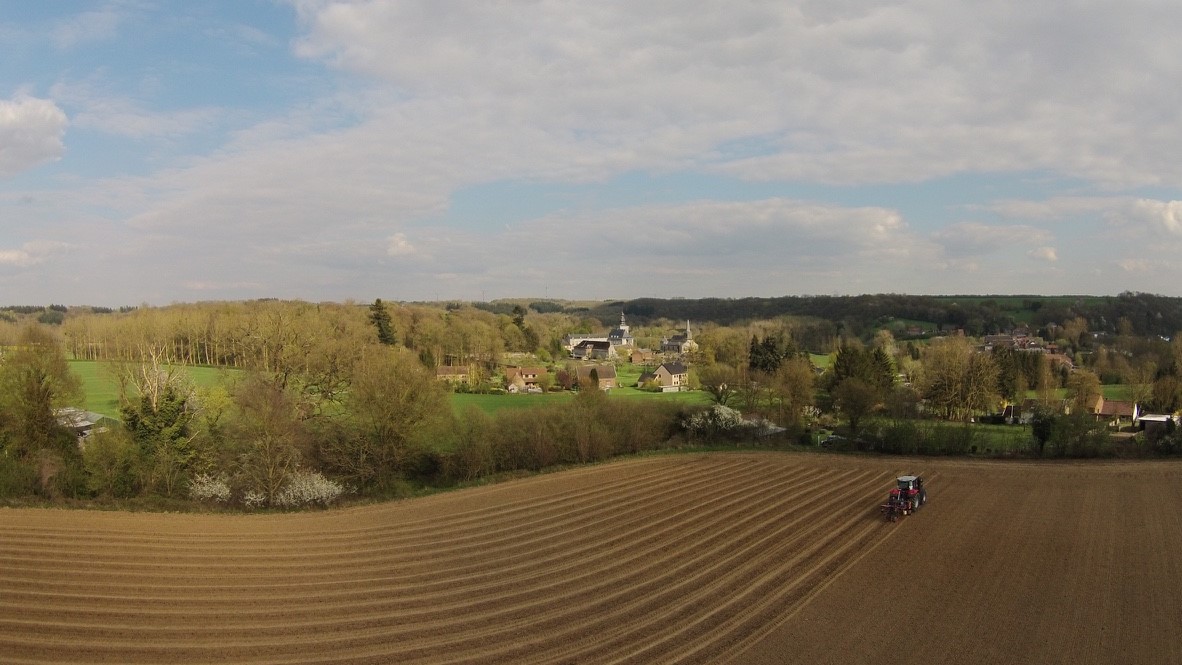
point(904, 499)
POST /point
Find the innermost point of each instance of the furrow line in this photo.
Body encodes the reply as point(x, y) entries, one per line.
point(627, 542)
point(237, 581)
point(448, 630)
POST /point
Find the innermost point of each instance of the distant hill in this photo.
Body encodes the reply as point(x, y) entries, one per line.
point(1134, 313)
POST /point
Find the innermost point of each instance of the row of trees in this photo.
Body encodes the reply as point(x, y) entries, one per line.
point(383, 421)
point(348, 391)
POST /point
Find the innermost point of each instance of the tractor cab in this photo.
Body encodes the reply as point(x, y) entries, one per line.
point(910, 488)
point(908, 484)
point(905, 497)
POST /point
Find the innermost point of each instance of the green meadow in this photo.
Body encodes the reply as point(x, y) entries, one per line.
point(102, 390)
point(101, 385)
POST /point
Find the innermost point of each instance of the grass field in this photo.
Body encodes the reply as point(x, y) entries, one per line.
point(102, 390)
point(101, 386)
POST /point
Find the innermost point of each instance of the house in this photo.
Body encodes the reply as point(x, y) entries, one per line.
point(1117, 413)
point(605, 374)
point(680, 343)
point(620, 336)
point(453, 373)
point(642, 357)
point(672, 377)
point(569, 342)
point(1055, 360)
point(1023, 413)
point(524, 379)
point(593, 350)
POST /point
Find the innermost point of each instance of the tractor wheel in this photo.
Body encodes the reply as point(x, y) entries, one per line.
point(894, 516)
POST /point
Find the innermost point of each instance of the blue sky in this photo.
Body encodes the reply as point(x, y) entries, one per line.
point(418, 149)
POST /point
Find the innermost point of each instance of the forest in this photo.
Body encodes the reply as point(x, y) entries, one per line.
point(323, 401)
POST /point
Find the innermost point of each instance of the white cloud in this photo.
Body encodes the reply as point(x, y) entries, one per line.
point(208, 285)
point(32, 253)
point(399, 246)
point(966, 239)
point(1054, 208)
point(89, 26)
point(1136, 265)
point(866, 93)
point(1044, 253)
point(1164, 215)
point(31, 132)
point(351, 188)
point(94, 108)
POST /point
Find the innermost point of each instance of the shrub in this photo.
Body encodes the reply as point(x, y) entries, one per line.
point(305, 488)
point(715, 421)
point(206, 487)
point(254, 499)
point(17, 478)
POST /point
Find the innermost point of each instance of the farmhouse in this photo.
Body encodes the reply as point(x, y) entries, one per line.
point(523, 379)
point(603, 375)
point(594, 350)
point(453, 373)
point(1117, 413)
point(671, 377)
point(570, 342)
point(620, 336)
point(642, 357)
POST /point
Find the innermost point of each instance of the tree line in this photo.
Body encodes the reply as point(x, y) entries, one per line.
point(346, 393)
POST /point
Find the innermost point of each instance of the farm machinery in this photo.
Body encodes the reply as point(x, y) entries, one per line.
point(905, 498)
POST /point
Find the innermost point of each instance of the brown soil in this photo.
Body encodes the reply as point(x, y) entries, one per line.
point(755, 558)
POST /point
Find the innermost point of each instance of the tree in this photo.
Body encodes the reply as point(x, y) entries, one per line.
point(792, 390)
point(720, 381)
point(157, 412)
point(1083, 388)
point(35, 379)
point(957, 380)
point(269, 434)
point(380, 318)
point(109, 458)
point(872, 366)
point(765, 356)
point(856, 399)
point(393, 404)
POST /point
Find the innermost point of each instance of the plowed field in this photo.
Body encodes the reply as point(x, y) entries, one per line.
point(698, 559)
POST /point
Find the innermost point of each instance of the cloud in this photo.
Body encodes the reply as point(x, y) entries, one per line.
point(1164, 215)
point(700, 248)
point(399, 246)
point(31, 132)
point(1137, 265)
point(1054, 208)
point(206, 285)
point(1047, 254)
point(32, 253)
point(354, 186)
point(972, 239)
point(89, 26)
point(123, 116)
point(862, 93)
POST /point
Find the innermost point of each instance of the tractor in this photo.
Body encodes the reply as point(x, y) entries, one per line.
point(905, 498)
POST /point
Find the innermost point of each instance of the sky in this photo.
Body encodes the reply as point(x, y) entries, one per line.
point(156, 152)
